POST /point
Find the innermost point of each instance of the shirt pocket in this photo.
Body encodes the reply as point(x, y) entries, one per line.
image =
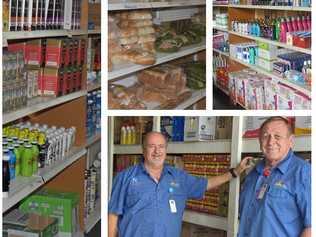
point(282, 205)
point(180, 198)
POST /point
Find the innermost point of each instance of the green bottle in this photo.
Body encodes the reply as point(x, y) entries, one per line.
point(27, 161)
point(17, 153)
point(277, 29)
point(35, 151)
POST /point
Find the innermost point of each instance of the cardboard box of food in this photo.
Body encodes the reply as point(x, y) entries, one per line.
point(199, 128)
point(223, 127)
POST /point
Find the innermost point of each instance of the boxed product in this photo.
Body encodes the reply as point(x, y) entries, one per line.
point(303, 125)
point(302, 39)
point(284, 97)
point(53, 82)
point(63, 206)
point(55, 52)
point(36, 226)
point(301, 101)
point(267, 54)
point(265, 64)
point(254, 94)
point(166, 124)
point(178, 128)
point(34, 53)
point(223, 127)
point(199, 128)
point(270, 94)
point(232, 87)
point(240, 91)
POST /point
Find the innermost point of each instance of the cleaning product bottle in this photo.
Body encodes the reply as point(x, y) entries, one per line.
point(309, 23)
point(283, 30)
point(299, 24)
point(123, 135)
point(289, 25)
point(294, 24)
point(304, 23)
point(277, 29)
point(128, 135)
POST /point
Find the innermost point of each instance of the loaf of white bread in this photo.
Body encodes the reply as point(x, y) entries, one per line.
point(131, 38)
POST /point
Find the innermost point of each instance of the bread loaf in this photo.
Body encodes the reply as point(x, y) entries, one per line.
point(128, 32)
point(146, 38)
point(140, 57)
point(139, 15)
point(146, 30)
point(135, 23)
point(129, 40)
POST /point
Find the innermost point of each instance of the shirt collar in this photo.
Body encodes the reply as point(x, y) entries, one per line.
point(166, 168)
point(282, 166)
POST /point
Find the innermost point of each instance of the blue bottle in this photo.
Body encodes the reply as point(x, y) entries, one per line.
point(12, 162)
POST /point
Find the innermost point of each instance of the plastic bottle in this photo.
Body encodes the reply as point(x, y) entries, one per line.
point(133, 135)
point(12, 162)
point(128, 135)
point(294, 24)
point(289, 25)
point(304, 23)
point(35, 156)
point(27, 159)
point(308, 20)
point(277, 25)
point(17, 153)
point(123, 135)
point(5, 173)
point(299, 24)
point(283, 30)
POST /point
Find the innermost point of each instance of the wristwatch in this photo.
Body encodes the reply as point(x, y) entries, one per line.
point(232, 171)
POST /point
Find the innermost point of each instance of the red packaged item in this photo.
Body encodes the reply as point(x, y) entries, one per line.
point(55, 53)
point(52, 82)
point(34, 53)
point(302, 41)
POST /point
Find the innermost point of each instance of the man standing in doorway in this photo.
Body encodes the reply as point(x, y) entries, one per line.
point(275, 200)
point(148, 199)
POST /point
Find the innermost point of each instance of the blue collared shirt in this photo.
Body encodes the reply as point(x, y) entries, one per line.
point(143, 206)
point(285, 208)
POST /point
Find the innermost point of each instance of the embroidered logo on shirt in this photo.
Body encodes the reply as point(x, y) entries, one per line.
point(134, 181)
point(280, 184)
point(174, 184)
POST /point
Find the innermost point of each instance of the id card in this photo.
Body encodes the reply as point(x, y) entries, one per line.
point(173, 207)
point(262, 191)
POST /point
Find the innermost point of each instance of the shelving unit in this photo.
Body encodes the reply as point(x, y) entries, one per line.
point(235, 147)
point(94, 217)
point(247, 12)
point(66, 175)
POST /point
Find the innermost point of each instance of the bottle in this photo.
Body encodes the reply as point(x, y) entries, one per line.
point(123, 135)
point(304, 23)
point(252, 55)
point(308, 20)
point(289, 25)
point(133, 135)
point(277, 29)
point(299, 24)
point(309, 73)
point(128, 135)
point(12, 162)
point(35, 157)
point(17, 153)
point(5, 173)
point(27, 161)
point(294, 24)
point(283, 30)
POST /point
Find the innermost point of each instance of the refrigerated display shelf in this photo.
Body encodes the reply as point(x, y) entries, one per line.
point(203, 219)
point(40, 103)
point(282, 8)
point(114, 5)
point(23, 186)
point(273, 42)
point(93, 219)
point(126, 69)
point(295, 86)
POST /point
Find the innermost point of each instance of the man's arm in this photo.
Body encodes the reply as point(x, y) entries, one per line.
point(307, 232)
point(216, 181)
point(113, 220)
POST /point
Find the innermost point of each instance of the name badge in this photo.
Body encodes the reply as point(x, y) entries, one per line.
point(262, 191)
point(173, 207)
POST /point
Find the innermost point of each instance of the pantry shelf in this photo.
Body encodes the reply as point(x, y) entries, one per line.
point(196, 96)
point(93, 219)
point(40, 103)
point(114, 6)
point(19, 189)
point(283, 8)
point(216, 146)
point(203, 219)
point(272, 42)
point(301, 143)
point(14, 35)
point(52, 170)
point(221, 52)
point(300, 88)
point(123, 70)
point(93, 139)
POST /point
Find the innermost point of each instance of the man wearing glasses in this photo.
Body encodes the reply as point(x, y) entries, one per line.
point(148, 199)
point(275, 200)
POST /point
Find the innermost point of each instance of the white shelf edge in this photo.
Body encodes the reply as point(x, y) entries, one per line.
point(270, 74)
point(94, 86)
point(216, 146)
point(144, 5)
point(203, 219)
point(220, 28)
point(272, 42)
point(52, 170)
point(160, 58)
point(23, 186)
point(301, 143)
point(220, 5)
point(93, 139)
point(40, 103)
point(284, 8)
point(98, 31)
point(13, 35)
point(93, 219)
point(196, 96)
point(221, 52)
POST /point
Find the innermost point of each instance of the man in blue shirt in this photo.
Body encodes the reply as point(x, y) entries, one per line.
point(276, 196)
point(148, 199)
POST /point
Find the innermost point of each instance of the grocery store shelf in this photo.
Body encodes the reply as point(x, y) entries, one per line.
point(301, 143)
point(221, 52)
point(13, 35)
point(91, 32)
point(93, 139)
point(113, 5)
point(273, 42)
point(219, 28)
point(40, 103)
point(295, 86)
point(93, 219)
point(220, 88)
point(216, 146)
point(122, 70)
point(203, 219)
point(196, 96)
point(94, 86)
point(283, 8)
point(20, 188)
point(220, 5)
point(49, 172)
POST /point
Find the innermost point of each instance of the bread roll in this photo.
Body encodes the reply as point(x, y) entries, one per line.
point(128, 32)
point(129, 40)
point(146, 38)
point(146, 30)
point(139, 15)
point(140, 57)
point(135, 23)
point(150, 47)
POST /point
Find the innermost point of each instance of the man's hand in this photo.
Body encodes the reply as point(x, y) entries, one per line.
point(243, 165)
